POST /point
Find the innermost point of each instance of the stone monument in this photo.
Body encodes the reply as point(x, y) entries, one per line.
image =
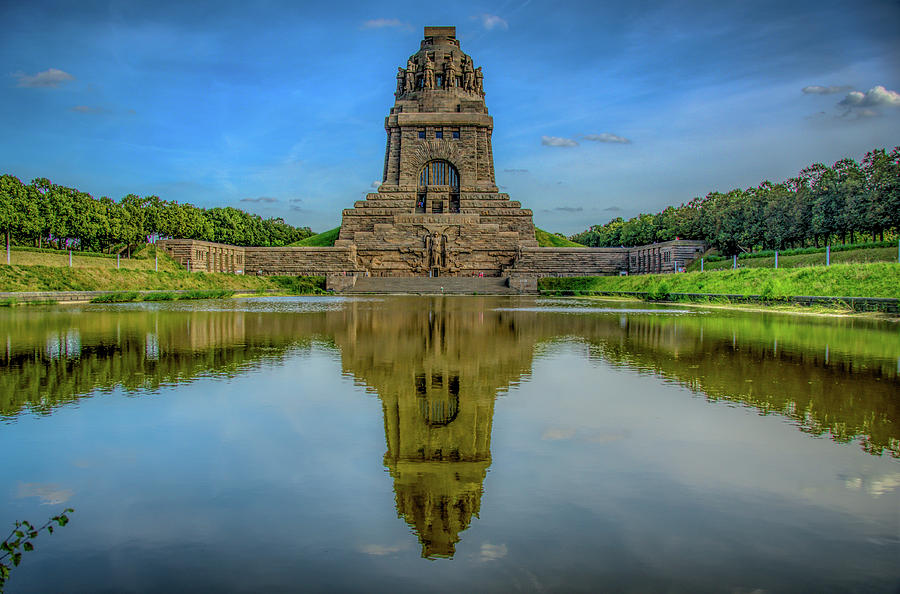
point(438, 211)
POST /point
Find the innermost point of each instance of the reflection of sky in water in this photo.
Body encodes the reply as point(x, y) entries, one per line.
point(603, 473)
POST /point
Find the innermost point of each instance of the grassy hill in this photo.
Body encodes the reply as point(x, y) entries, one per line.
point(547, 239)
point(324, 239)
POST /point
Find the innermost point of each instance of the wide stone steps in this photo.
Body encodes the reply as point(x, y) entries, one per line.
point(446, 285)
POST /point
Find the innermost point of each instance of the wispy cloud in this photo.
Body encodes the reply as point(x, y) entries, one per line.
point(607, 137)
point(385, 23)
point(566, 209)
point(612, 209)
point(50, 78)
point(266, 199)
point(89, 109)
point(867, 104)
point(557, 141)
point(492, 552)
point(830, 90)
point(491, 21)
point(515, 171)
point(376, 183)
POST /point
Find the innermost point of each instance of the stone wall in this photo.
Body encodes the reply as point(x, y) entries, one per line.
point(205, 256)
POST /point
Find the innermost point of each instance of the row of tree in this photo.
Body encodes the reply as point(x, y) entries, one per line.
point(822, 204)
point(42, 212)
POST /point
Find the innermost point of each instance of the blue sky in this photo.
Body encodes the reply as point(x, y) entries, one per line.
point(600, 109)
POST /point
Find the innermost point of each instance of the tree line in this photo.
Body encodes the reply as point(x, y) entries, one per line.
point(42, 213)
point(849, 201)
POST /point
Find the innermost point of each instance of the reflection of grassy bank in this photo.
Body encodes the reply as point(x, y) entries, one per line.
point(54, 278)
point(879, 279)
point(129, 296)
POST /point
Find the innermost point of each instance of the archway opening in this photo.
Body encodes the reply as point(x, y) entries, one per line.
point(438, 173)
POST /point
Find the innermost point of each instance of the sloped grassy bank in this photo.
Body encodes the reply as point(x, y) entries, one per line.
point(55, 278)
point(877, 279)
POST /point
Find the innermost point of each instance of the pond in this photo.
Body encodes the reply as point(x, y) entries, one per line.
point(440, 443)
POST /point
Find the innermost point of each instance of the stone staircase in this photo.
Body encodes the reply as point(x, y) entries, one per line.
point(447, 285)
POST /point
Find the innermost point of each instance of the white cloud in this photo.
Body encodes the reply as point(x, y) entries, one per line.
point(267, 199)
point(52, 77)
point(866, 104)
point(557, 141)
point(492, 21)
point(89, 109)
point(820, 90)
point(376, 183)
point(607, 137)
point(383, 23)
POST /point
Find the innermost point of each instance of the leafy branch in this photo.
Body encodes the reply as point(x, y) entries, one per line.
point(20, 540)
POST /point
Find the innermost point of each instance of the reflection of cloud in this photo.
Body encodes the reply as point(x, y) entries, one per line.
point(492, 552)
point(603, 437)
point(557, 141)
point(557, 433)
point(875, 487)
point(52, 77)
point(48, 494)
point(381, 550)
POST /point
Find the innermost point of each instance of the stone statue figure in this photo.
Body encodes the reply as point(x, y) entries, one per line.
point(479, 81)
point(429, 73)
point(401, 80)
point(449, 75)
point(434, 245)
point(410, 76)
point(468, 77)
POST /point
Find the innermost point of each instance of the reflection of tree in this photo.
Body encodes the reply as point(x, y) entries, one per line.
point(53, 360)
point(437, 370)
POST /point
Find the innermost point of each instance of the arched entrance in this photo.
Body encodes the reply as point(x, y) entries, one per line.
point(438, 189)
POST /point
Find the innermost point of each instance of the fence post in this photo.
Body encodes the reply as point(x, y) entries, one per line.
point(70, 258)
point(7, 248)
point(776, 259)
point(155, 257)
point(827, 255)
point(701, 264)
point(117, 260)
point(734, 262)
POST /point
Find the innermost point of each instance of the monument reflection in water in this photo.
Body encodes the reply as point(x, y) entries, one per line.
point(437, 370)
point(592, 444)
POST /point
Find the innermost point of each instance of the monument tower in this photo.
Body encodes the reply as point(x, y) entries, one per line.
point(438, 210)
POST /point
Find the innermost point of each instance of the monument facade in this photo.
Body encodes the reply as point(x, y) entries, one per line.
point(438, 210)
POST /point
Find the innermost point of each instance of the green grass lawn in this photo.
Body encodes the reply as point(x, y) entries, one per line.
point(873, 279)
point(324, 239)
point(880, 254)
point(547, 239)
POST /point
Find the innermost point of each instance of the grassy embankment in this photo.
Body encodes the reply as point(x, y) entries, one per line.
point(809, 258)
point(327, 238)
point(324, 239)
point(874, 279)
point(547, 239)
point(48, 271)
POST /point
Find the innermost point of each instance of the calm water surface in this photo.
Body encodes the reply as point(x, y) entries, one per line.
point(415, 443)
